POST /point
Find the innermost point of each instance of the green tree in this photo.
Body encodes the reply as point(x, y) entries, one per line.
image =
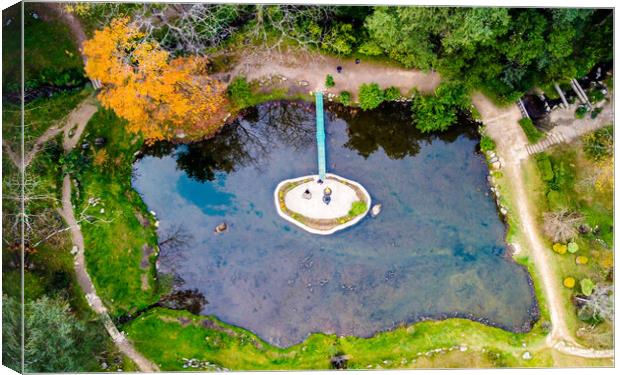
point(339, 39)
point(54, 338)
point(370, 96)
point(439, 111)
point(345, 97)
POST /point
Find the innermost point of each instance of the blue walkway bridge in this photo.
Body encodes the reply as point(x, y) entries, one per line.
point(320, 134)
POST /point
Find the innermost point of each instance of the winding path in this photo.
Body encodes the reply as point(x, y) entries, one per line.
point(87, 286)
point(502, 124)
point(78, 120)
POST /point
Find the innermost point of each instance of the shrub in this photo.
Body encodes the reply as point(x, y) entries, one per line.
point(569, 282)
point(559, 248)
point(533, 135)
point(599, 145)
point(573, 247)
point(487, 143)
point(561, 226)
point(239, 92)
point(345, 97)
point(357, 208)
point(581, 260)
point(596, 96)
point(587, 286)
point(74, 162)
point(581, 111)
point(595, 113)
point(329, 81)
point(600, 303)
point(392, 93)
point(544, 165)
point(370, 96)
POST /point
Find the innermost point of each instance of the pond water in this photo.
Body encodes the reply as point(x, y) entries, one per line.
point(436, 250)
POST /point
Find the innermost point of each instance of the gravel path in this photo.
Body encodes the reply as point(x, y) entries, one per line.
point(502, 124)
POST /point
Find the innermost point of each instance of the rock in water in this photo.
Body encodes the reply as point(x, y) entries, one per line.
point(221, 228)
point(375, 210)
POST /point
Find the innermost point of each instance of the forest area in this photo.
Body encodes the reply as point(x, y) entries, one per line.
point(503, 52)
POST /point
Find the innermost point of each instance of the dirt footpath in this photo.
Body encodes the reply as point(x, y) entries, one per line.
point(313, 69)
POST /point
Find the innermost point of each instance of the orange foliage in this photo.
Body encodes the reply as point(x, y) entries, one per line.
point(159, 97)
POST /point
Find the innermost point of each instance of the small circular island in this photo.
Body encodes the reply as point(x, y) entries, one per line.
point(322, 206)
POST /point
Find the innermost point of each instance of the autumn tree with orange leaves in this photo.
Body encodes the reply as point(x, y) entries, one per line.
point(160, 97)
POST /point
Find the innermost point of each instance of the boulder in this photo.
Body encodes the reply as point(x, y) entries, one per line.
point(375, 210)
point(100, 141)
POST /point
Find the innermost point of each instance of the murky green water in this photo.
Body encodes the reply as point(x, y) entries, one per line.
point(436, 250)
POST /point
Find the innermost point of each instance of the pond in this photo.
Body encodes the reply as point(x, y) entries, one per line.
point(437, 249)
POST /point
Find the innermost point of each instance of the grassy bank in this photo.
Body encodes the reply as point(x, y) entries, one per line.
point(567, 185)
point(121, 242)
point(423, 344)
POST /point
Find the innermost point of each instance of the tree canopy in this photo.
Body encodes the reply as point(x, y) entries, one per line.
point(55, 340)
point(504, 51)
point(158, 96)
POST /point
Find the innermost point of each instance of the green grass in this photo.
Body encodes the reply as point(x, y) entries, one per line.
point(533, 135)
point(51, 55)
point(113, 245)
point(357, 208)
point(167, 336)
point(563, 170)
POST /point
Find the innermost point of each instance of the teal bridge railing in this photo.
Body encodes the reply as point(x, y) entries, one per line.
point(320, 134)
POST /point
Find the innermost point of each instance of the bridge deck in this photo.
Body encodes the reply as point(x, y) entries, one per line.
point(320, 134)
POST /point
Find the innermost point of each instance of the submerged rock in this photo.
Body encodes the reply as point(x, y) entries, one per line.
point(375, 210)
point(221, 228)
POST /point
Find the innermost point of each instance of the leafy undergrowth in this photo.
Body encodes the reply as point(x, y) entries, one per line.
point(168, 337)
point(243, 94)
point(121, 229)
point(577, 185)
